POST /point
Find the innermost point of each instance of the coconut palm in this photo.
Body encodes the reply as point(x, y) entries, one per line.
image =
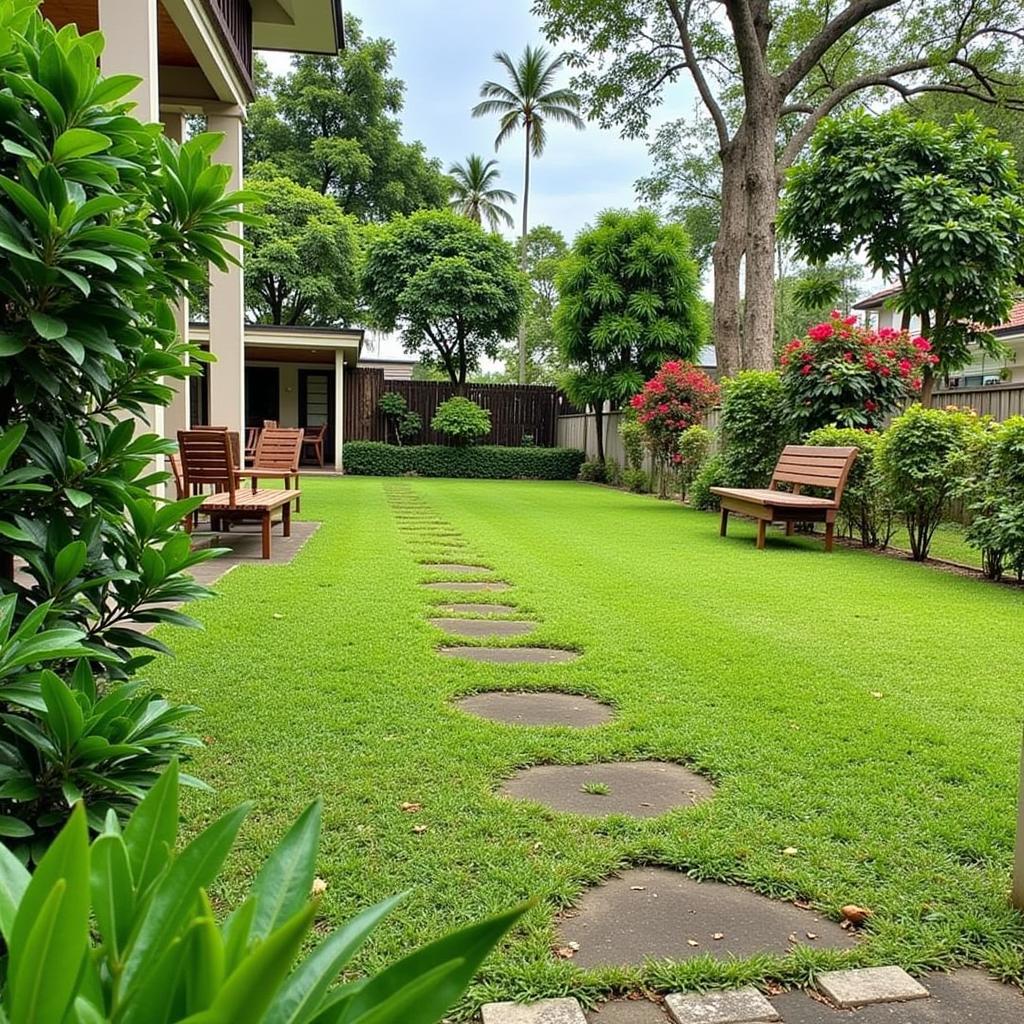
point(473, 194)
point(528, 101)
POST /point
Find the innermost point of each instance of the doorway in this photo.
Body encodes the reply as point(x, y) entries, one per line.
point(262, 395)
point(316, 405)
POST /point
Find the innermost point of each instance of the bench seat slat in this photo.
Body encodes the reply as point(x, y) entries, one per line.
point(251, 501)
point(762, 496)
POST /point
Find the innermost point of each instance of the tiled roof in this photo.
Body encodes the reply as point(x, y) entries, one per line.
point(1014, 322)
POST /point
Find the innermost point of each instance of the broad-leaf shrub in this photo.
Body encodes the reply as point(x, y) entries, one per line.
point(843, 374)
point(693, 450)
point(373, 458)
point(678, 396)
point(462, 420)
point(993, 490)
point(866, 510)
point(103, 224)
point(403, 422)
point(632, 433)
point(755, 426)
point(918, 455)
point(711, 474)
point(123, 931)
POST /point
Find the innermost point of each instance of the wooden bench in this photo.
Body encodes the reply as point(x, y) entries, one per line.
point(799, 466)
point(208, 457)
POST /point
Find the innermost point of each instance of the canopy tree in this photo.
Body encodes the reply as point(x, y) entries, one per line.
point(545, 249)
point(302, 264)
point(332, 124)
point(452, 288)
point(529, 100)
point(475, 193)
point(629, 299)
point(767, 72)
point(939, 210)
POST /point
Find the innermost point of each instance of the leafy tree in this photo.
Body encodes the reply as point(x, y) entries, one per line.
point(545, 248)
point(528, 101)
point(303, 264)
point(940, 210)
point(629, 300)
point(475, 195)
point(452, 287)
point(332, 124)
point(805, 295)
point(767, 73)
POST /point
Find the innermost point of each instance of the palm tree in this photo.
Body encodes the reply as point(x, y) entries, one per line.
point(529, 101)
point(473, 195)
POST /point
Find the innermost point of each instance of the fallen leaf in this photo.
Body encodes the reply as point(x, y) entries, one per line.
point(410, 808)
point(854, 914)
point(802, 904)
point(790, 851)
point(565, 952)
point(638, 888)
point(717, 936)
point(420, 829)
point(692, 942)
point(811, 935)
point(792, 937)
point(278, 615)
point(877, 694)
point(319, 887)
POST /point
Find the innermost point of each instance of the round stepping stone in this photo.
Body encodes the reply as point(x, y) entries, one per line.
point(656, 913)
point(455, 567)
point(641, 789)
point(484, 627)
point(537, 708)
point(510, 655)
point(479, 609)
point(468, 587)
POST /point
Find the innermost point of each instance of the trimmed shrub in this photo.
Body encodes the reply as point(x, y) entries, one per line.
point(632, 433)
point(755, 427)
point(636, 480)
point(374, 458)
point(694, 448)
point(462, 420)
point(917, 456)
point(711, 474)
point(866, 510)
point(594, 471)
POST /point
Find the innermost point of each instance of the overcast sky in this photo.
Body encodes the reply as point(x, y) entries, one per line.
point(444, 51)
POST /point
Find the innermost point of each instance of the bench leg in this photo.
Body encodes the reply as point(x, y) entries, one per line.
point(286, 519)
point(829, 527)
point(723, 529)
point(298, 501)
point(761, 524)
point(266, 534)
point(790, 526)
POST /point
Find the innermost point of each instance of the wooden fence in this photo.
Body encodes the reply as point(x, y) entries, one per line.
point(1000, 401)
point(517, 411)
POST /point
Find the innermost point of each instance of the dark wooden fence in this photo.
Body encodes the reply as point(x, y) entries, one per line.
point(1000, 401)
point(517, 411)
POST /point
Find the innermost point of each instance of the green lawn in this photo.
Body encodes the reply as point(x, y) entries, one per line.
point(862, 709)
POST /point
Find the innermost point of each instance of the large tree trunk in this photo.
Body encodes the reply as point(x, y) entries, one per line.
point(727, 260)
point(522, 252)
point(762, 193)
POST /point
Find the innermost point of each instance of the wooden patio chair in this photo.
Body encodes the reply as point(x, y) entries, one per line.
point(207, 457)
point(252, 438)
point(180, 490)
point(276, 458)
point(798, 466)
point(314, 439)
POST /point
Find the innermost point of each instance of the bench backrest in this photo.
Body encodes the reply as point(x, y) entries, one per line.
point(208, 457)
point(810, 466)
point(279, 448)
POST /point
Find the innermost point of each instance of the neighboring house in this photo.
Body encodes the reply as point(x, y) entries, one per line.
point(393, 369)
point(195, 57)
point(983, 370)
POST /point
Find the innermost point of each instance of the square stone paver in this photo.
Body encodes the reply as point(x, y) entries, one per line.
point(546, 1011)
point(741, 1006)
point(864, 986)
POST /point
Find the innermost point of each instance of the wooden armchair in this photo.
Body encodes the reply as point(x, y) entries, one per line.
point(276, 457)
point(314, 439)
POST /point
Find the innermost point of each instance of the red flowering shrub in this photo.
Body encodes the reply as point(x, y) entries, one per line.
point(843, 374)
point(675, 398)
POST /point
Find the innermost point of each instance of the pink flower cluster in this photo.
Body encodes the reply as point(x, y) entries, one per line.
point(677, 397)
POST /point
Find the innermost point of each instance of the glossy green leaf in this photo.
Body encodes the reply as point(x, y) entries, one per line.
point(14, 879)
point(113, 891)
point(150, 833)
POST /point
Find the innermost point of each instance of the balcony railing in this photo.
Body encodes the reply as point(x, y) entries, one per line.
point(234, 20)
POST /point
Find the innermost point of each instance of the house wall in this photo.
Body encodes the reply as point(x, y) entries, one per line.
point(288, 377)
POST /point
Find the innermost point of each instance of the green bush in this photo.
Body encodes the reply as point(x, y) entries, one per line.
point(694, 447)
point(755, 426)
point(594, 471)
point(636, 480)
point(123, 930)
point(373, 458)
point(918, 456)
point(105, 224)
point(866, 510)
point(711, 474)
point(992, 471)
point(404, 423)
point(462, 420)
point(632, 433)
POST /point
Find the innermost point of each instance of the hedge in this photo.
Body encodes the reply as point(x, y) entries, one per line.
point(374, 458)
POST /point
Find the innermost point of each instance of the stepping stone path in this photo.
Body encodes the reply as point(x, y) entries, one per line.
point(467, 587)
point(963, 997)
point(510, 655)
point(657, 913)
point(538, 709)
point(641, 789)
point(454, 567)
point(478, 609)
point(547, 1011)
point(484, 627)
